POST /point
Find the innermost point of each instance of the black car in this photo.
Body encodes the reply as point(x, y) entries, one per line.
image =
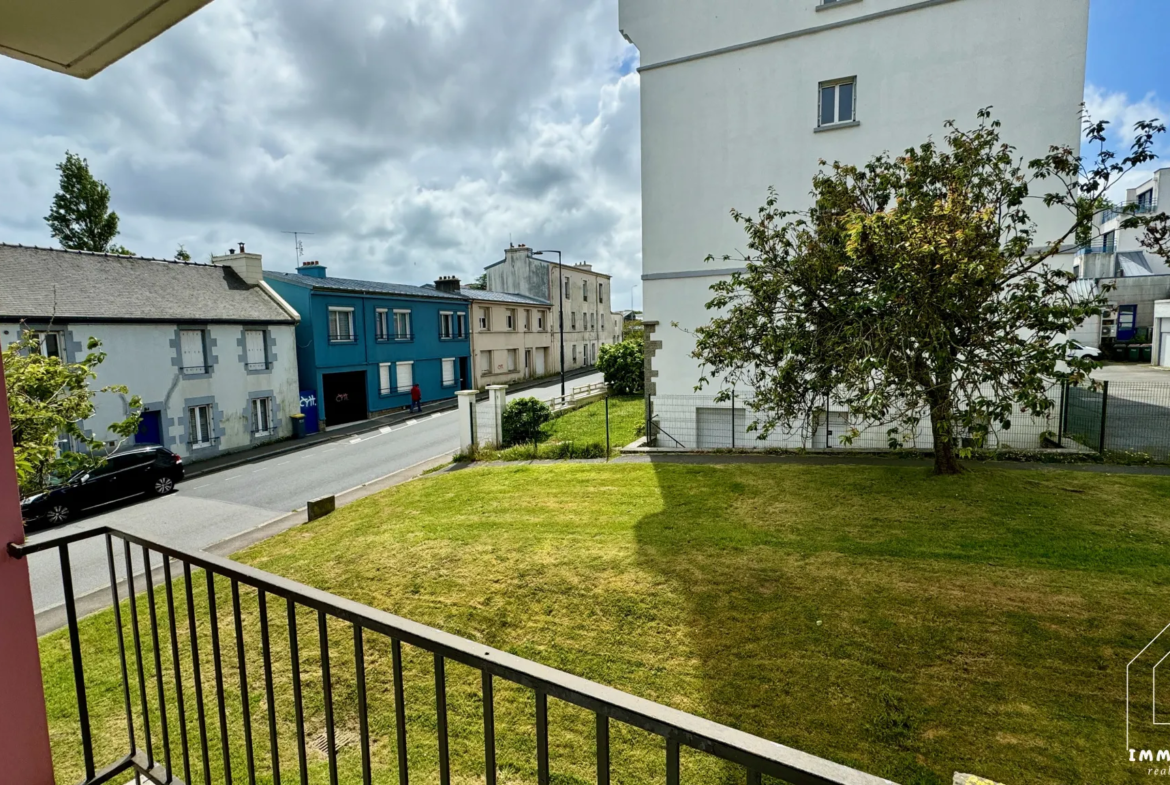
point(145, 469)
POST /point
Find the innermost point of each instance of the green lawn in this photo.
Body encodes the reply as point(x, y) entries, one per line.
point(587, 424)
point(902, 623)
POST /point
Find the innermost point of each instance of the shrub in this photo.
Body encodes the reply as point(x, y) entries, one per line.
point(622, 363)
point(523, 418)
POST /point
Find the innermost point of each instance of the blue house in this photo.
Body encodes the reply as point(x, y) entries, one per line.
point(361, 345)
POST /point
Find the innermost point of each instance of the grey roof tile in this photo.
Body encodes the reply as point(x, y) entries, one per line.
point(361, 287)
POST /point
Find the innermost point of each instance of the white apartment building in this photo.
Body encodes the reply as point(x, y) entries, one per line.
point(740, 95)
point(582, 294)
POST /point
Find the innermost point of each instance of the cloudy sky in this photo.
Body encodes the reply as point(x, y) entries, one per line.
point(415, 138)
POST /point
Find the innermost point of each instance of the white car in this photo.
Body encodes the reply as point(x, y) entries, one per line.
point(1081, 351)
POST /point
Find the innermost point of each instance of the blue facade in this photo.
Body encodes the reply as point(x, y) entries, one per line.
point(331, 363)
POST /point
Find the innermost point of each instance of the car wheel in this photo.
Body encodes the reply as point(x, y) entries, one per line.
point(163, 485)
point(58, 514)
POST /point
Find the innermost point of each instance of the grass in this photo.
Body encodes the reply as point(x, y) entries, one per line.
point(905, 624)
point(627, 413)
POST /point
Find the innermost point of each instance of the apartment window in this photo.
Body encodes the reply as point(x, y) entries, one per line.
point(600, 293)
point(585, 291)
point(461, 324)
point(512, 356)
point(261, 416)
point(50, 345)
point(405, 374)
point(341, 325)
point(1145, 201)
point(574, 354)
point(485, 318)
point(837, 102)
point(447, 324)
point(485, 363)
point(568, 291)
point(1109, 242)
point(540, 321)
point(449, 372)
point(199, 427)
point(191, 347)
point(593, 353)
point(510, 318)
point(382, 324)
point(573, 320)
point(402, 325)
point(384, 385)
point(527, 320)
point(256, 350)
point(592, 321)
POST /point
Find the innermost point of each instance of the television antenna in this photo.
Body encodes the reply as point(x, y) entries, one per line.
point(300, 247)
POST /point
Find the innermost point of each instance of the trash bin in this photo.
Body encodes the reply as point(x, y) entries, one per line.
point(1135, 353)
point(1147, 353)
point(298, 421)
point(1119, 352)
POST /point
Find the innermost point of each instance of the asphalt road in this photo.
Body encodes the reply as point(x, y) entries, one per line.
point(207, 509)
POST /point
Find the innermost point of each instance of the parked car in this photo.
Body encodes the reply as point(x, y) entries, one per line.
point(138, 470)
point(1080, 350)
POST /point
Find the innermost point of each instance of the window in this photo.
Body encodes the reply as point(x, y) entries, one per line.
point(256, 350)
point(384, 386)
point(447, 324)
point(402, 325)
point(592, 321)
point(449, 372)
point(261, 416)
point(191, 347)
point(600, 293)
point(837, 102)
point(50, 345)
point(382, 324)
point(405, 374)
point(573, 319)
point(1145, 201)
point(593, 353)
point(199, 427)
point(1109, 242)
point(585, 291)
point(510, 319)
point(527, 320)
point(568, 292)
point(341, 325)
point(461, 324)
point(485, 363)
point(485, 318)
point(574, 354)
point(540, 321)
point(512, 359)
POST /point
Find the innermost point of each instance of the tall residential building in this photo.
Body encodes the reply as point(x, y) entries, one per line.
point(740, 95)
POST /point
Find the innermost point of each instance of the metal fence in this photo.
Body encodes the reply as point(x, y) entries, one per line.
point(1128, 417)
point(179, 718)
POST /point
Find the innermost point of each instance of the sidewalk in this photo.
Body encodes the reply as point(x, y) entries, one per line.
point(272, 449)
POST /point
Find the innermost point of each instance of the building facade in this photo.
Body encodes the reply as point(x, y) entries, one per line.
point(576, 292)
point(362, 345)
point(742, 95)
point(512, 337)
point(209, 348)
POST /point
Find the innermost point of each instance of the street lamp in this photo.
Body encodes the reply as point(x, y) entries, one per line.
point(560, 311)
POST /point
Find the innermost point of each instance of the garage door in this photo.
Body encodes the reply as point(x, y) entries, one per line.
point(713, 428)
point(1164, 350)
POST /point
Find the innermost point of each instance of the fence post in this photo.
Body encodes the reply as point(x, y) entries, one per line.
point(733, 418)
point(1104, 411)
point(1062, 414)
point(467, 436)
point(607, 447)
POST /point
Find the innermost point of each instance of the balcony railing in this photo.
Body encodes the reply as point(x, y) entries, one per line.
point(1130, 208)
point(179, 681)
point(342, 338)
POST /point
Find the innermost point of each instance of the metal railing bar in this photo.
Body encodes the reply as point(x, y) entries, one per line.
point(298, 704)
point(735, 746)
point(48, 542)
point(266, 646)
point(156, 774)
point(441, 718)
point(602, 750)
point(399, 710)
point(245, 702)
point(671, 762)
point(359, 662)
point(753, 777)
point(217, 661)
point(110, 772)
point(121, 646)
point(197, 674)
point(327, 693)
point(75, 652)
point(489, 729)
point(541, 738)
point(158, 674)
point(138, 652)
point(178, 670)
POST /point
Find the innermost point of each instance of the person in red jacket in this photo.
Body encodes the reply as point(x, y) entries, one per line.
point(416, 398)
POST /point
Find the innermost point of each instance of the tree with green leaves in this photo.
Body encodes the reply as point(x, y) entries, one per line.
point(915, 288)
point(523, 419)
point(81, 219)
point(49, 398)
point(182, 255)
point(479, 284)
point(623, 365)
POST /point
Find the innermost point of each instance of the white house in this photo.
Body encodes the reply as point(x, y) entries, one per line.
point(208, 347)
point(740, 95)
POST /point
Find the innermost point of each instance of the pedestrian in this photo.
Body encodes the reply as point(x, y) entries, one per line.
point(416, 398)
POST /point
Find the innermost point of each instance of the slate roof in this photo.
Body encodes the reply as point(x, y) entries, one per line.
point(42, 283)
point(503, 297)
point(330, 284)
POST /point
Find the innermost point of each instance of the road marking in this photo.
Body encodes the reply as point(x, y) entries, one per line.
point(385, 429)
point(355, 441)
point(329, 449)
point(261, 470)
point(234, 477)
point(436, 414)
point(197, 487)
point(411, 422)
point(282, 464)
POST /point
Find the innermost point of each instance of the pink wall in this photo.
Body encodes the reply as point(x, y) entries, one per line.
point(24, 731)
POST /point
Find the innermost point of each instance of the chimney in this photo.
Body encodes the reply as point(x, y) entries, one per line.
point(246, 265)
point(518, 253)
point(448, 283)
point(312, 269)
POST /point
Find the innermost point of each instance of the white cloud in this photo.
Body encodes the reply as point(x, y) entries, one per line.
point(1122, 115)
point(413, 137)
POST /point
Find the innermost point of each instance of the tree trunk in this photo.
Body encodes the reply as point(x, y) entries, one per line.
point(942, 430)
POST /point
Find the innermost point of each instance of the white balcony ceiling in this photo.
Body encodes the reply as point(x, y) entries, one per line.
point(81, 37)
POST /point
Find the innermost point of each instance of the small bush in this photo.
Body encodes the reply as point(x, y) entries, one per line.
point(523, 418)
point(623, 366)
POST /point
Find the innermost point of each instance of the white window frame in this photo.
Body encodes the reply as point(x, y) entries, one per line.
point(338, 337)
point(403, 315)
point(447, 324)
point(398, 376)
point(510, 318)
point(835, 84)
point(485, 320)
point(251, 363)
point(201, 336)
point(197, 416)
point(261, 406)
point(540, 321)
point(512, 360)
point(485, 368)
point(448, 380)
point(385, 379)
point(382, 324)
point(461, 324)
point(42, 340)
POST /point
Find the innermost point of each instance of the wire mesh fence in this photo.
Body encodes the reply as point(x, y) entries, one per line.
point(1135, 418)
